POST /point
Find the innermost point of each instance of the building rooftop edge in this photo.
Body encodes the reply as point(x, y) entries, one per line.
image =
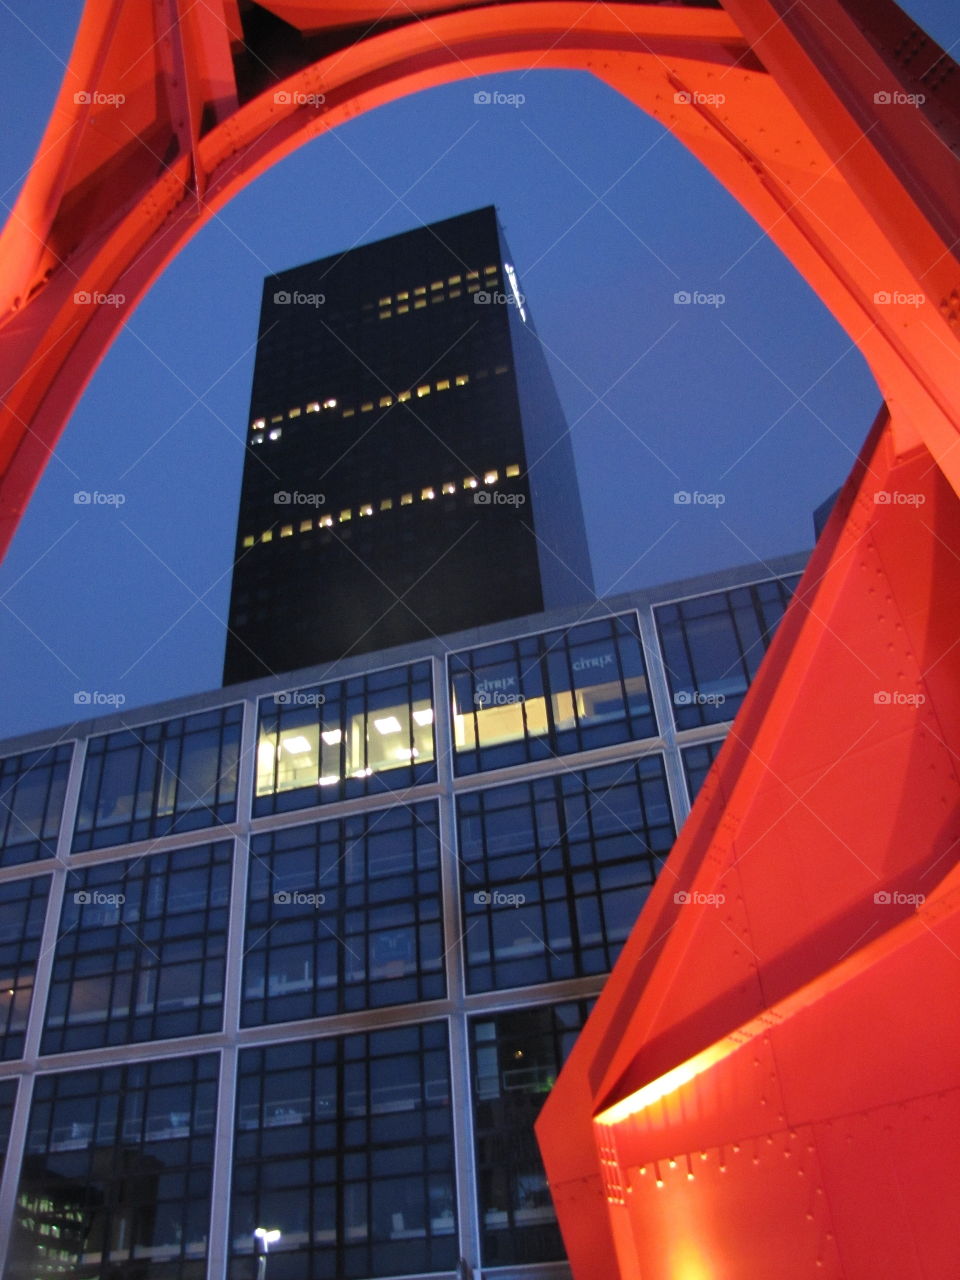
point(490, 633)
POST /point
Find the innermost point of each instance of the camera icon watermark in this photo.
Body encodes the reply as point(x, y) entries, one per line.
point(688, 898)
point(87, 698)
point(493, 98)
point(897, 98)
point(494, 898)
point(296, 898)
point(94, 498)
point(94, 298)
point(697, 298)
point(694, 698)
point(95, 98)
point(296, 98)
point(894, 898)
point(96, 898)
point(298, 698)
point(894, 698)
point(286, 298)
point(294, 498)
point(694, 98)
point(694, 498)
point(898, 298)
point(894, 498)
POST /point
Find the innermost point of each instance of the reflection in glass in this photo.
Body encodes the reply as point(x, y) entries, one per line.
point(549, 694)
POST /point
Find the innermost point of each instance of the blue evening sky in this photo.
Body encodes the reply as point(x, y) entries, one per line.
point(763, 400)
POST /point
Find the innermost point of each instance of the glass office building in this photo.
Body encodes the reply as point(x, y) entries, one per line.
point(306, 954)
point(404, 436)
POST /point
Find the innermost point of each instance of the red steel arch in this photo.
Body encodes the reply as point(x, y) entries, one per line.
point(768, 1085)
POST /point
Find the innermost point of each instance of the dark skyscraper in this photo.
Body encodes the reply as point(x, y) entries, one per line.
point(408, 469)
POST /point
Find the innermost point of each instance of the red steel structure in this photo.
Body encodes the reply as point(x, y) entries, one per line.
point(768, 1085)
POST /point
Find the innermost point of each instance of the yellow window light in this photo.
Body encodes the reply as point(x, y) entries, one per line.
point(406, 499)
point(455, 280)
point(385, 302)
point(421, 302)
point(386, 504)
point(423, 391)
point(470, 482)
point(306, 526)
point(367, 406)
point(386, 402)
point(259, 424)
point(491, 477)
point(330, 402)
point(420, 290)
point(267, 535)
point(449, 487)
point(427, 494)
point(443, 384)
point(346, 515)
point(512, 470)
point(313, 406)
point(326, 522)
point(462, 379)
point(366, 509)
point(403, 397)
point(293, 413)
point(249, 540)
point(348, 413)
point(286, 531)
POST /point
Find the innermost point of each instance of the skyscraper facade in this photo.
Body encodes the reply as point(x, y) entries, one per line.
point(408, 469)
point(306, 954)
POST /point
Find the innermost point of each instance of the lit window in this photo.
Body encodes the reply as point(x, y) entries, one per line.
point(470, 482)
point(385, 302)
point(473, 275)
point(437, 297)
point(345, 515)
point(427, 494)
point(267, 535)
point(406, 499)
point(330, 403)
point(462, 379)
point(403, 397)
point(455, 280)
point(259, 424)
point(420, 289)
point(387, 724)
point(404, 296)
point(313, 406)
point(437, 284)
point(293, 413)
point(276, 433)
point(443, 384)
point(306, 526)
point(491, 477)
point(455, 293)
point(423, 391)
point(501, 368)
point(249, 540)
point(348, 413)
point(402, 311)
point(286, 531)
point(366, 509)
point(386, 402)
point(366, 406)
point(489, 271)
point(385, 315)
point(386, 504)
point(421, 302)
point(473, 288)
point(258, 438)
point(449, 487)
point(326, 522)
point(513, 469)
point(277, 417)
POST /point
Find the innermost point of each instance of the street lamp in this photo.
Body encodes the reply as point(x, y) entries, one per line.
point(264, 1237)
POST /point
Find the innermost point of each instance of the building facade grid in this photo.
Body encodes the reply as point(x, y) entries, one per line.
point(496, 1011)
